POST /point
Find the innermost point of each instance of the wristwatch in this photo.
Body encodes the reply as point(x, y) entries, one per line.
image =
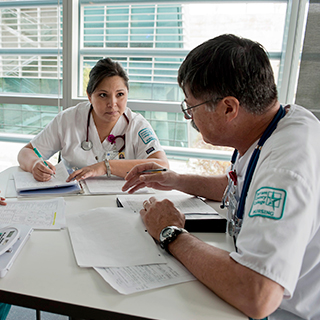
point(169, 234)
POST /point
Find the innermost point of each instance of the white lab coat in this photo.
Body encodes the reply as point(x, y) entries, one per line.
point(69, 128)
point(280, 235)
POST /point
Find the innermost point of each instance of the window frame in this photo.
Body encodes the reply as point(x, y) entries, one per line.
point(294, 30)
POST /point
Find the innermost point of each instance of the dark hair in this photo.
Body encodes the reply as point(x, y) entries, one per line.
point(105, 68)
point(230, 66)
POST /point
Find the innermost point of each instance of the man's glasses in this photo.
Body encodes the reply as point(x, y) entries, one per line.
point(187, 110)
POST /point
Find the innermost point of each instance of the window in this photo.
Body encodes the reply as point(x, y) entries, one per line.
point(150, 39)
point(30, 64)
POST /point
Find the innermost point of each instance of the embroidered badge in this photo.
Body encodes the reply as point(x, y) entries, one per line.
point(150, 150)
point(146, 135)
point(269, 203)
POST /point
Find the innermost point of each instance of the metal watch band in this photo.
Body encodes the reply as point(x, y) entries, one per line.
point(106, 162)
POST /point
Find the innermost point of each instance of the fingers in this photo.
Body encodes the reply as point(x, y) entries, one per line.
point(143, 179)
point(136, 170)
point(79, 175)
point(41, 172)
point(2, 201)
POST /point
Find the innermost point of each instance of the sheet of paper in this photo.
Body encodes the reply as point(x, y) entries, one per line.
point(26, 181)
point(107, 185)
point(127, 280)
point(111, 237)
point(185, 203)
point(40, 214)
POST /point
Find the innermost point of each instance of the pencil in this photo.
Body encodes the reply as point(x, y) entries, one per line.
point(153, 170)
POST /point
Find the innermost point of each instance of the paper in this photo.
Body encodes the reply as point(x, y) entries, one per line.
point(41, 214)
point(129, 280)
point(107, 185)
point(26, 184)
point(111, 237)
point(185, 203)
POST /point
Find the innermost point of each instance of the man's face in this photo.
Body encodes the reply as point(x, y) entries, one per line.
point(204, 120)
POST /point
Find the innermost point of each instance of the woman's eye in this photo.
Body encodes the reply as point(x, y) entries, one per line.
point(102, 95)
point(120, 94)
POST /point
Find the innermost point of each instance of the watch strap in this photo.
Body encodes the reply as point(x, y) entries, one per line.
point(174, 232)
point(106, 162)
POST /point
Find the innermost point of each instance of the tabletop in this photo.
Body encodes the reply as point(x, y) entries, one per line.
point(45, 276)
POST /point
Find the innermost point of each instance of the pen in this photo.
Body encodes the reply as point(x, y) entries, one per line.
point(40, 156)
point(153, 170)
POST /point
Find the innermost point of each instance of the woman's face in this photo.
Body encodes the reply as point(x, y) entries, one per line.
point(109, 100)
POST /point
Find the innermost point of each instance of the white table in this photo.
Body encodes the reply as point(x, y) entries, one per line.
point(45, 276)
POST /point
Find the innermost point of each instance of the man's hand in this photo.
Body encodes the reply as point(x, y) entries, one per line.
point(41, 172)
point(161, 180)
point(157, 215)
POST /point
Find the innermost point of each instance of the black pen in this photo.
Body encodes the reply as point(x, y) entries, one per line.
point(153, 170)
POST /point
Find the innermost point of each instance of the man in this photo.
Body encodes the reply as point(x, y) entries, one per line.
point(231, 98)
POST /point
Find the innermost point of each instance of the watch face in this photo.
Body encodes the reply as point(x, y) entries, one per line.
point(167, 232)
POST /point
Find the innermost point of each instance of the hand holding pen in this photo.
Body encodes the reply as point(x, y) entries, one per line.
point(41, 173)
point(150, 175)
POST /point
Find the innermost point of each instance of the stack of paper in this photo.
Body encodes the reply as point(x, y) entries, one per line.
point(114, 241)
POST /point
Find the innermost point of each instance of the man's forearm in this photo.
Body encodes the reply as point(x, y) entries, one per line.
point(250, 292)
point(208, 187)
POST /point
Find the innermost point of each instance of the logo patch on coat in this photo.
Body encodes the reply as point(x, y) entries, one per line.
point(269, 203)
point(146, 135)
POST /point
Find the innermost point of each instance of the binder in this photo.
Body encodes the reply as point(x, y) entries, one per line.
point(211, 222)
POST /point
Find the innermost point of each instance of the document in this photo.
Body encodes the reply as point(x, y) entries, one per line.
point(27, 185)
point(111, 237)
point(107, 185)
point(187, 204)
point(127, 280)
point(200, 217)
point(40, 214)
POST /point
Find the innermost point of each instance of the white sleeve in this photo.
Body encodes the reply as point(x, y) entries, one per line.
point(144, 140)
point(48, 141)
point(278, 223)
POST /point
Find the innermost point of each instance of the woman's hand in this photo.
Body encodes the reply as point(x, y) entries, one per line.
point(2, 201)
point(41, 172)
point(97, 169)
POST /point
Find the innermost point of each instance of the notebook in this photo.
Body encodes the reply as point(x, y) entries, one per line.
point(27, 185)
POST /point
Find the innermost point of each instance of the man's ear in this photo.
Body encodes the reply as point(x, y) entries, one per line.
point(231, 107)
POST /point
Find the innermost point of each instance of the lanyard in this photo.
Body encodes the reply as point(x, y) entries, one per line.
point(237, 214)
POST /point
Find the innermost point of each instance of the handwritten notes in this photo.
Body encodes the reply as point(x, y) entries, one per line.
point(41, 214)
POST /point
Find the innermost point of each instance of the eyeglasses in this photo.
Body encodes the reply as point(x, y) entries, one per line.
point(186, 109)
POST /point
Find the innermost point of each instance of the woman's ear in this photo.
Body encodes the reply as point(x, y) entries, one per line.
point(231, 107)
point(89, 97)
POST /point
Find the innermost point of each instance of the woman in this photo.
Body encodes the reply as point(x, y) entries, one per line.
point(93, 136)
